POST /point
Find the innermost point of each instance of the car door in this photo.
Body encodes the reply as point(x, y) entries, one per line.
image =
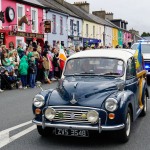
point(132, 82)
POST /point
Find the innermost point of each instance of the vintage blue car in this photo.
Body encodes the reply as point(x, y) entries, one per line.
point(100, 90)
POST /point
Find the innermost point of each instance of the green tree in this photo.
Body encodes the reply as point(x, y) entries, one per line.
point(145, 34)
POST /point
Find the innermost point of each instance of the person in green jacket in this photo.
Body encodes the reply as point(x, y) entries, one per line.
point(23, 71)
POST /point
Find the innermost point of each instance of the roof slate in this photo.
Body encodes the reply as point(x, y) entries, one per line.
point(62, 8)
point(88, 17)
point(35, 2)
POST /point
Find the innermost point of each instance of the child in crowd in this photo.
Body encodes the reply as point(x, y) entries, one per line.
point(23, 71)
point(6, 62)
point(8, 80)
point(32, 71)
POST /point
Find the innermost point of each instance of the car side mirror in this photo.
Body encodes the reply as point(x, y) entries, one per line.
point(39, 85)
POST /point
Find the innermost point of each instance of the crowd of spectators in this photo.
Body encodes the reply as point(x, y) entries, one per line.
point(29, 63)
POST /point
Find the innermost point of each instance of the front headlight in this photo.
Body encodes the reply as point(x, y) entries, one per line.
point(50, 113)
point(38, 101)
point(92, 116)
point(111, 104)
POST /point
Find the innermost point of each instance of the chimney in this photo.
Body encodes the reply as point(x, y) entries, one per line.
point(110, 16)
point(83, 5)
point(101, 14)
point(125, 25)
point(60, 1)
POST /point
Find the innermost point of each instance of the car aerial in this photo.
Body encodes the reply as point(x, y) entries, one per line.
point(145, 48)
point(100, 90)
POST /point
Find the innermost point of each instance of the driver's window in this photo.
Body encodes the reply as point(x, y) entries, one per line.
point(131, 70)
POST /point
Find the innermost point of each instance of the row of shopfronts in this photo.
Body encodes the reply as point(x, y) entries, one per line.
point(30, 21)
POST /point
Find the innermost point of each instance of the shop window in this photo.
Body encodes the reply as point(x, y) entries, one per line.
point(20, 14)
point(54, 24)
point(61, 25)
point(34, 18)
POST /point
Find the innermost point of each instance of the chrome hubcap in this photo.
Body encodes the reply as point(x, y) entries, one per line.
point(128, 124)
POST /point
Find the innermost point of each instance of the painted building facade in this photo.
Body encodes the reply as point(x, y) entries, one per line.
point(115, 37)
point(75, 31)
point(92, 34)
point(127, 38)
point(120, 37)
point(59, 28)
point(22, 23)
point(108, 36)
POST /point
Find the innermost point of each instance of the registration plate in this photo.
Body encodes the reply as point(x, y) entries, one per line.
point(71, 132)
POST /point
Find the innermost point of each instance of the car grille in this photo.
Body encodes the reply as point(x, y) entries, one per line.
point(71, 116)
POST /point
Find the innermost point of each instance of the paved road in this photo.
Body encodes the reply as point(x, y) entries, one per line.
point(16, 112)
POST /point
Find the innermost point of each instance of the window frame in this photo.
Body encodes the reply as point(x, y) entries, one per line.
point(87, 31)
point(71, 27)
point(54, 24)
point(19, 38)
point(36, 20)
point(23, 13)
point(93, 31)
point(61, 25)
point(78, 30)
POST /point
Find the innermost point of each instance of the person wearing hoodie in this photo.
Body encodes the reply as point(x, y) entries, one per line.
point(32, 71)
point(23, 71)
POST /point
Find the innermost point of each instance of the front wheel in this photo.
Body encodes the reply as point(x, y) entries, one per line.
point(44, 132)
point(124, 134)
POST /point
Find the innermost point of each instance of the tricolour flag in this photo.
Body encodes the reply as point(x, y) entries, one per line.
point(138, 56)
point(62, 55)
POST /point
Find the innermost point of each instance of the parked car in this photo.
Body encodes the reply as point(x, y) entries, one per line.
point(100, 90)
point(146, 55)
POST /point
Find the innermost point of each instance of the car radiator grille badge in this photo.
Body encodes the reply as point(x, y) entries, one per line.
point(72, 115)
point(73, 101)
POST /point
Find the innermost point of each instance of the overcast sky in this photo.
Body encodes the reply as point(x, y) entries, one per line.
point(136, 12)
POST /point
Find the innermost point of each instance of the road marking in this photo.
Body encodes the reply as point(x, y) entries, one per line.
point(4, 135)
point(16, 127)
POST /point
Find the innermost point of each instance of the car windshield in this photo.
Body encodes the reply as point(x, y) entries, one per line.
point(94, 66)
point(145, 47)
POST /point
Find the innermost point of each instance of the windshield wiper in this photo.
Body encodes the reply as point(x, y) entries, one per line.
point(81, 74)
point(86, 73)
point(110, 74)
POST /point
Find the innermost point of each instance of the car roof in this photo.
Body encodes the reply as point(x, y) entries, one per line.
point(143, 43)
point(123, 54)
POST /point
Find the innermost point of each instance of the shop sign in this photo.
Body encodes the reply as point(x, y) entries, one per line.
point(76, 38)
point(24, 34)
point(47, 26)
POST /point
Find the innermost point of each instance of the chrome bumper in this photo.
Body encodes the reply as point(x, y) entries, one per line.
point(85, 127)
